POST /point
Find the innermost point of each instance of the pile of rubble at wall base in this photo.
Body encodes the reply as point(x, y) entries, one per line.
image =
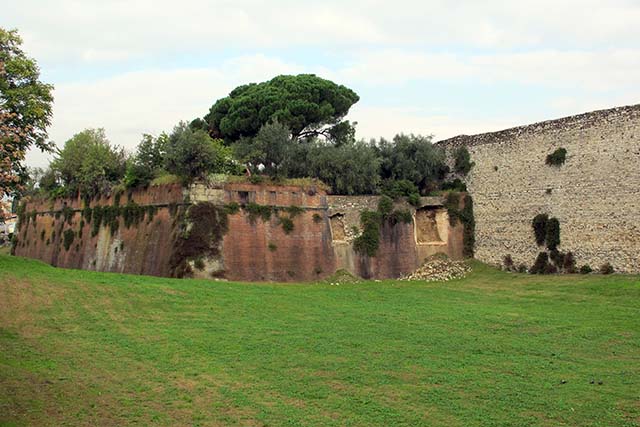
point(439, 269)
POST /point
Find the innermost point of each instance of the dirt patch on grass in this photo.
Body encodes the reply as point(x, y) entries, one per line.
point(20, 302)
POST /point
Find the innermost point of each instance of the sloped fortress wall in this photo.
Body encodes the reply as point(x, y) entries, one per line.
point(595, 194)
point(279, 233)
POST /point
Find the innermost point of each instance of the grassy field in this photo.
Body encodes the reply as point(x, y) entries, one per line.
point(495, 349)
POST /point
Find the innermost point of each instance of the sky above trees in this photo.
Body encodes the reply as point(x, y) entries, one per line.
point(430, 67)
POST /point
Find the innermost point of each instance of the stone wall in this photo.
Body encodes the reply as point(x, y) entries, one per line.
point(143, 249)
point(401, 250)
point(253, 248)
point(595, 195)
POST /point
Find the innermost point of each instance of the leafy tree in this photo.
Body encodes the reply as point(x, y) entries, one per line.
point(306, 104)
point(192, 154)
point(49, 181)
point(268, 149)
point(25, 111)
point(148, 161)
point(350, 168)
point(88, 164)
point(413, 158)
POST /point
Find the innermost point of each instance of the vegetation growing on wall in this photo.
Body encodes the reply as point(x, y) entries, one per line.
point(465, 216)
point(462, 160)
point(539, 225)
point(201, 230)
point(469, 231)
point(265, 212)
point(547, 232)
point(557, 158)
point(68, 237)
point(368, 241)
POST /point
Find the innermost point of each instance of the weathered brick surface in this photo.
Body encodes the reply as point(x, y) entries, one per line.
point(595, 195)
point(399, 252)
point(251, 249)
point(144, 249)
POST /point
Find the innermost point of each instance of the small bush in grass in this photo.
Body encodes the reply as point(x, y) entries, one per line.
point(522, 268)
point(540, 265)
point(569, 264)
point(586, 269)
point(606, 268)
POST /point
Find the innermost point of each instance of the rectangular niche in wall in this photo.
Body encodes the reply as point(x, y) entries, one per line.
point(337, 227)
point(431, 225)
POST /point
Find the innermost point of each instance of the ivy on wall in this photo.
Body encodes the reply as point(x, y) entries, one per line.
point(201, 229)
point(466, 217)
point(368, 242)
point(557, 158)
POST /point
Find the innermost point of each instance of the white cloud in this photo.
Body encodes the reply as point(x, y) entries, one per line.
point(582, 54)
point(376, 122)
point(150, 101)
point(586, 70)
point(91, 30)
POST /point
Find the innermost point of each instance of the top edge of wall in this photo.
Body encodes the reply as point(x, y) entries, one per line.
point(580, 121)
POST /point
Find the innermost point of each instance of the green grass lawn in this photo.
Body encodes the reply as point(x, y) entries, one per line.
point(82, 348)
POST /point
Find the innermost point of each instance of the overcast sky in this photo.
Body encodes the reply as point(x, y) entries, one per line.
point(425, 66)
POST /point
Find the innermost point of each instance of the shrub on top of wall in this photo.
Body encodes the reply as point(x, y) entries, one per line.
point(557, 158)
point(385, 206)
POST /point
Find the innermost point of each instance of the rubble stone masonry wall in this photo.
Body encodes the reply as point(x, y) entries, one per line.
point(595, 194)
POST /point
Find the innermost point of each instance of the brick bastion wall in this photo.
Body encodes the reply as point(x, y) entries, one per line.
point(253, 248)
point(595, 194)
